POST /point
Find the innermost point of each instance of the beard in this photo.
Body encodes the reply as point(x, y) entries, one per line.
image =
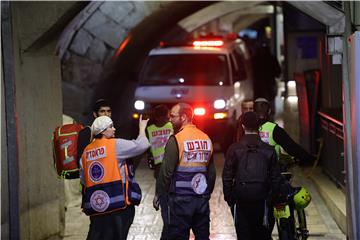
point(177, 127)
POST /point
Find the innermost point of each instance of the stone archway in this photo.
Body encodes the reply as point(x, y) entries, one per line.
point(89, 43)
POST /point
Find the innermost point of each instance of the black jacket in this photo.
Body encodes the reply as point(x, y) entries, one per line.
point(235, 154)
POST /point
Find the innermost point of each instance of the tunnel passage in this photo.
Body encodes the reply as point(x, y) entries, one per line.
point(113, 75)
point(120, 75)
point(31, 68)
point(95, 66)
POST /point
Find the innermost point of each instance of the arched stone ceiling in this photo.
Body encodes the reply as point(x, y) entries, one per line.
point(100, 28)
point(217, 10)
point(88, 44)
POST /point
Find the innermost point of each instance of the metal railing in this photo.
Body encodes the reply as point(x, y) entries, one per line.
point(332, 157)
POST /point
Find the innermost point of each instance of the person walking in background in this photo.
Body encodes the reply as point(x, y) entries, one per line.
point(187, 178)
point(158, 134)
point(277, 137)
point(246, 106)
point(265, 69)
point(110, 189)
point(251, 173)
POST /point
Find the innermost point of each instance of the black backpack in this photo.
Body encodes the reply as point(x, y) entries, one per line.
point(252, 180)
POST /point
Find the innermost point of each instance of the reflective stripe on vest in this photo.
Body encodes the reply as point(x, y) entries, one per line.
point(112, 200)
point(158, 137)
point(195, 149)
point(266, 134)
point(106, 190)
point(133, 191)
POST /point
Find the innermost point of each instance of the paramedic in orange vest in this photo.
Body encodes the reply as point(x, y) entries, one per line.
point(187, 178)
point(110, 188)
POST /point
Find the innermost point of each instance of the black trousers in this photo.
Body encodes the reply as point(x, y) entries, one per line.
point(110, 226)
point(164, 208)
point(249, 221)
point(157, 170)
point(185, 213)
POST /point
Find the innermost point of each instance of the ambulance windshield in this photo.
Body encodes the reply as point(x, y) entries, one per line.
point(186, 69)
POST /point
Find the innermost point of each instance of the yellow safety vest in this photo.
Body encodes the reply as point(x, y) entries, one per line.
point(158, 137)
point(266, 134)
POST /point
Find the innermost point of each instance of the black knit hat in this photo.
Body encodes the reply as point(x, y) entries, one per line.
point(101, 103)
point(250, 120)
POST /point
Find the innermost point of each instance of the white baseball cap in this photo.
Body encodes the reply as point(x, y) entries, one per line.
point(100, 124)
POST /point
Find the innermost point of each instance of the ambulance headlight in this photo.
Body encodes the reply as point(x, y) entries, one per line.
point(219, 104)
point(139, 105)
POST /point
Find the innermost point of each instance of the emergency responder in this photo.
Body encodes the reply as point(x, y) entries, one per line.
point(110, 188)
point(266, 69)
point(158, 134)
point(251, 172)
point(187, 178)
point(276, 136)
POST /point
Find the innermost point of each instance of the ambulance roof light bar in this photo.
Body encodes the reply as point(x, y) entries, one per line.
point(208, 43)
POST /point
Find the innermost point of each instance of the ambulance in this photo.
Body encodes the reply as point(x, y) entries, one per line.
point(212, 75)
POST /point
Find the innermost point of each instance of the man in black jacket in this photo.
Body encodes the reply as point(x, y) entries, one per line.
point(250, 174)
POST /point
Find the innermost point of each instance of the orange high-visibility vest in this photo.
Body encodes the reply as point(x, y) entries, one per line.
point(106, 190)
point(195, 149)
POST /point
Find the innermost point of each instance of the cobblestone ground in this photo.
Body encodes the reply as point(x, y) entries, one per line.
point(147, 223)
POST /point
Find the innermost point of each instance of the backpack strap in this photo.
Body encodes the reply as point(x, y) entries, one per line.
point(84, 138)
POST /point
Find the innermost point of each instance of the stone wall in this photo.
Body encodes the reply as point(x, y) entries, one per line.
point(4, 169)
point(96, 33)
point(39, 110)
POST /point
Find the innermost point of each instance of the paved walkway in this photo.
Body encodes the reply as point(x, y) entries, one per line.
point(147, 223)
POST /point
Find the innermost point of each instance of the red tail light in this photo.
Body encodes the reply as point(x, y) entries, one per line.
point(199, 111)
